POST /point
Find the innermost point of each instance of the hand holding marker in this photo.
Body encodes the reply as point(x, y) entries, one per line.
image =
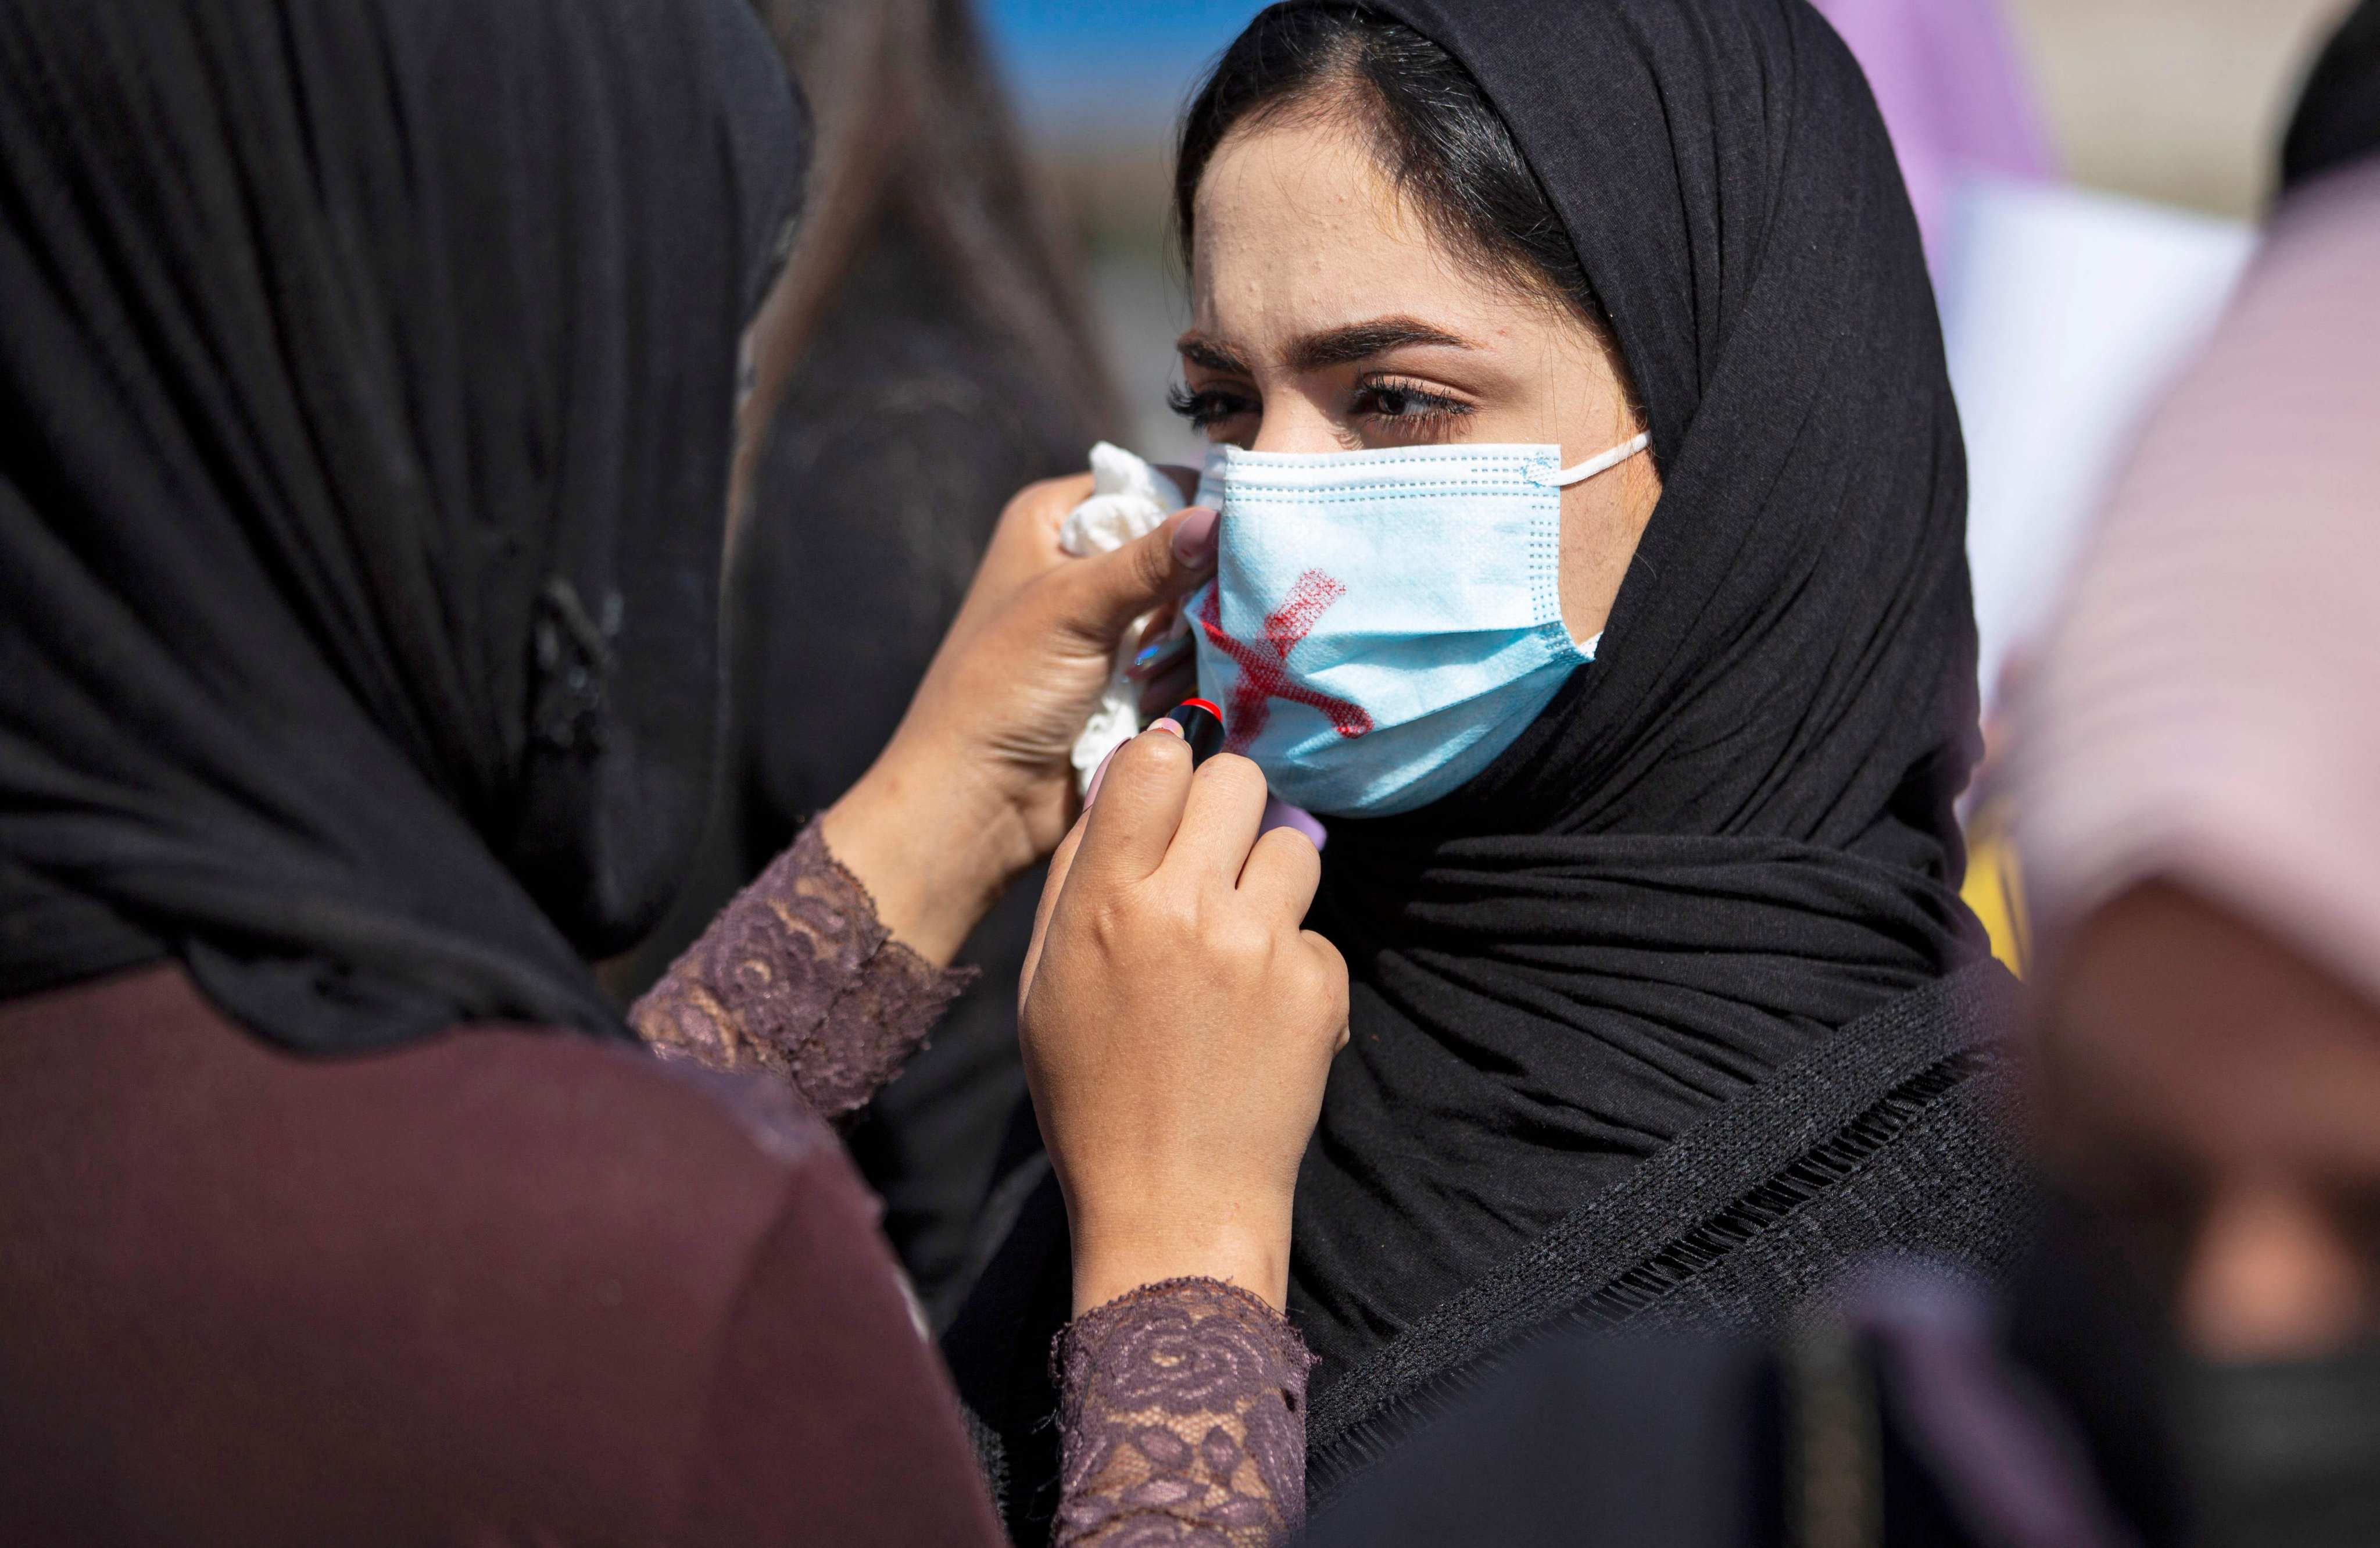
point(1198, 721)
point(1177, 1134)
point(1201, 723)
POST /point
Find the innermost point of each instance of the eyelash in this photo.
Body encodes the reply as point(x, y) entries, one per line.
point(1430, 410)
point(1206, 407)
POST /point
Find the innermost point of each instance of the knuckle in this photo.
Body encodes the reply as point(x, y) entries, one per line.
point(1154, 910)
point(1185, 917)
point(1325, 957)
point(1241, 939)
point(1291, 858)
point(1111, 920)
point(1234, 778)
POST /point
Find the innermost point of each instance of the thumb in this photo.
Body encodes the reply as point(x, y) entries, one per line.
point(1109, 590)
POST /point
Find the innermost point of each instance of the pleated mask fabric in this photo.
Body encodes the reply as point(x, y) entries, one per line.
point(1382, 623)
point(1735, 833)
point(369, 372)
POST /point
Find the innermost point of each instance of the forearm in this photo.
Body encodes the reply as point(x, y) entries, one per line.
point(799, 975)
point(934, 842)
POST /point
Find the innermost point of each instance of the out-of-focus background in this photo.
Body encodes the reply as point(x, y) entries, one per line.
point(2069, 290)
point(1099, 84)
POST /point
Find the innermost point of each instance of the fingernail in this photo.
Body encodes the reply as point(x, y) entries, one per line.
point(1154, 658)
point(1091, 792)
point(1168, 723)
point(1194, 540)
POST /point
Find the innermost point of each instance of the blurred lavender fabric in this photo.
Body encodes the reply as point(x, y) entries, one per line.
point(1954, 95)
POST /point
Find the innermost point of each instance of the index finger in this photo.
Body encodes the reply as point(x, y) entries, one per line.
point(1132, 824)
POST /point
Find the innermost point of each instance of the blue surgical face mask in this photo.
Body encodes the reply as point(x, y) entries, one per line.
point(1382, 624)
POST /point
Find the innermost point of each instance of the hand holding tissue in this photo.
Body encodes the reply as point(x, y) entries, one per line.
point(1130, 498)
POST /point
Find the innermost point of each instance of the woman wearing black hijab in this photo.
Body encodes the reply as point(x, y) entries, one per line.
point(1668, 1007)
point(368, 374)
point(2188, 1356)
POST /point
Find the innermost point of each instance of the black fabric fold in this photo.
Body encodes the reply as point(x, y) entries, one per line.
point(1887, 1135)
point(368, 373)
point(2337, 120)
point(1732, 835)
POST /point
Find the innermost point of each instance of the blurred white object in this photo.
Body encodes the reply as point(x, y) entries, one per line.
point(2065, 313)
point(1129, 499)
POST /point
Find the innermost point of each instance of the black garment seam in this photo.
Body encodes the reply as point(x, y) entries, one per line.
point(1828, 1165)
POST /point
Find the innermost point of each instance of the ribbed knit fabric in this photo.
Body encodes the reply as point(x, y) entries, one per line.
point(1892, 1135)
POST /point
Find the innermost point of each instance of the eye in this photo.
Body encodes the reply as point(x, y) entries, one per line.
point(1406, 407)
point(1208, 406)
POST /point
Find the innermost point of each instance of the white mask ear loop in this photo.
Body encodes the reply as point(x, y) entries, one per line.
point(1595, 465)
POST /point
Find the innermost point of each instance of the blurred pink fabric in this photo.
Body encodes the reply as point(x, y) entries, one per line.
point(2208, 708)
point(1954, 93)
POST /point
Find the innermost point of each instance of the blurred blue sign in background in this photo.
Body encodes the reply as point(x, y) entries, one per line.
point(1108, 67)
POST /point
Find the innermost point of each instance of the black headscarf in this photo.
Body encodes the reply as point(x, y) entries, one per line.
point(2337, 115)
point(368, 373)
point(1732, 833)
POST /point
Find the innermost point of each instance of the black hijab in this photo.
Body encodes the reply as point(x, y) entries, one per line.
point(1732, 833)
point(368, 373)
point(2337, 116)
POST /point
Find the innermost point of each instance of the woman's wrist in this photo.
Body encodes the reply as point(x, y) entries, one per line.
point(933, 841)
point(1114, 1260)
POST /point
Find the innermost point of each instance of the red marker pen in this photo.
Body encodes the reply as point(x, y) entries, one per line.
point(1202, 727)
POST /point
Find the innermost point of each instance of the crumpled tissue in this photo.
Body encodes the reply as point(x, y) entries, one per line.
point(1129, 499)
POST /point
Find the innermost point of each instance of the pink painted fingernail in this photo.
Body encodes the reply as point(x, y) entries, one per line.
point(1194, 540)
point(1091, 791)
point(1167, 722)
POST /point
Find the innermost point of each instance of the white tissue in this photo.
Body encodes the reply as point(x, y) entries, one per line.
point(1129, 499)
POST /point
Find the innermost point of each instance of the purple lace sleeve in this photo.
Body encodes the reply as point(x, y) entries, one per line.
point(1182, 1420)
point(799, 976)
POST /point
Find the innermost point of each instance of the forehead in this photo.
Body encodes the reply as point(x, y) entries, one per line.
point(1296, 226)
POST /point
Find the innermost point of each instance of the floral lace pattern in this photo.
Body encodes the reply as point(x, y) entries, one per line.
point(798, 976)
point(1183, 1420)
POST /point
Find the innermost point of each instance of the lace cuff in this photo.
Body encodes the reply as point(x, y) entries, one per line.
point(799, 976)
point(1182, 1420)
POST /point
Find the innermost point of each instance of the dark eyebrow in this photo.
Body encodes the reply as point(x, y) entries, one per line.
point(1361, 341)
point(1200, 350)
point(1333, 347)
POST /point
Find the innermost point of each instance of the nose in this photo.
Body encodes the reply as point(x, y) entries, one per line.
point(1294, 422)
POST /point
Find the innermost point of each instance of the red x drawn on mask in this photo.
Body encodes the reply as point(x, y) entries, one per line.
point(1265, 679)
